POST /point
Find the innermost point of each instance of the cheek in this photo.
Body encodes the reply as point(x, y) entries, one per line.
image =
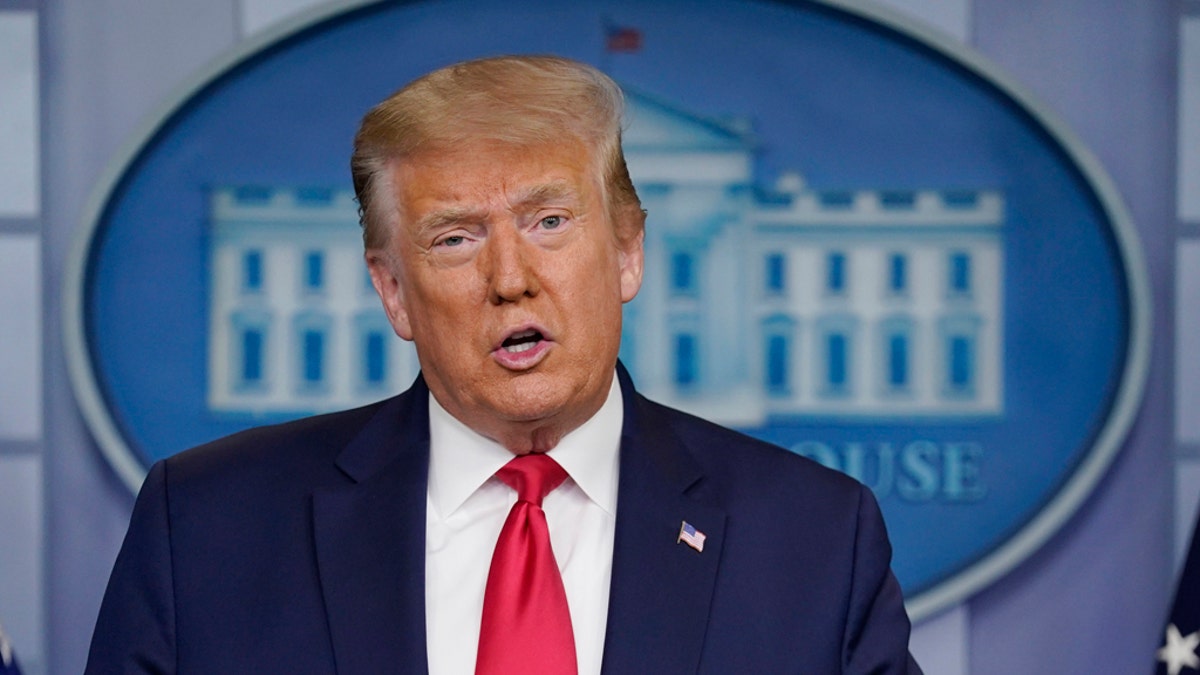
point(444, 303)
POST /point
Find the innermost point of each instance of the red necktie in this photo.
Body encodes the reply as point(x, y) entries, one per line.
point(526, 626)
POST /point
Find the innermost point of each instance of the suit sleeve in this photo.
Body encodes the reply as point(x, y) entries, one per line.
point(135, 632)
point(877, 630)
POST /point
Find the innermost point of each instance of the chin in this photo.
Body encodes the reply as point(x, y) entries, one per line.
point(518, 408)
point(532, 398)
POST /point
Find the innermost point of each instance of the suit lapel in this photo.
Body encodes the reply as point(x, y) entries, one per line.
point(370, 542)
point(661, 589)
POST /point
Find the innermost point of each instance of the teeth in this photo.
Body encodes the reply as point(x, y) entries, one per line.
point(522, 341)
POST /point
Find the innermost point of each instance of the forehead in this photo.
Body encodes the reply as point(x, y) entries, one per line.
point(490, 171)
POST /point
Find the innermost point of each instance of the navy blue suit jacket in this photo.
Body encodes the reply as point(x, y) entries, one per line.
point(300, 548)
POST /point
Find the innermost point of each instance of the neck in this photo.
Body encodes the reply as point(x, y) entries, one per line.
point(526, 436)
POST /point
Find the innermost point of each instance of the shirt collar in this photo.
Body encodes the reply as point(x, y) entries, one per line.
point(461, 460)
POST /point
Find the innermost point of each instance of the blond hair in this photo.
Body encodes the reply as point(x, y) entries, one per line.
point(519, 100)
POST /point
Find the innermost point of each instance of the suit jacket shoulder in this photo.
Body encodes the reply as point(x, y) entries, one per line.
point(732, 460)
point(267, 551)
point(277, 453)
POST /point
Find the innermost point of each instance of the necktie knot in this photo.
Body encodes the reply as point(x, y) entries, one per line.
point(533, 476)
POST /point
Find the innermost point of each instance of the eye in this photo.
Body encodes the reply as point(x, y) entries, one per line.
point(551, 222)
point(452, 241)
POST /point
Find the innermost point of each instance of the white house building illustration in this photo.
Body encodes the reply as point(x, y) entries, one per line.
point(758, 302)
point(294, 323)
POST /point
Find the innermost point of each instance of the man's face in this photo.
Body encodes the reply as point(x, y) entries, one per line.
point(506, 271)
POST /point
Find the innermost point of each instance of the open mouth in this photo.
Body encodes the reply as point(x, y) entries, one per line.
point(521, 342)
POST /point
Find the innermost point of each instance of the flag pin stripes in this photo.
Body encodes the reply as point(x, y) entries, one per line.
point(689, 535)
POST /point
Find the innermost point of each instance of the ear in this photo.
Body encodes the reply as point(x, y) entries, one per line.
point(386, 279)
point(630, 257)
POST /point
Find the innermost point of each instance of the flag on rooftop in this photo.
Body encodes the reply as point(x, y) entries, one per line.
point(622, 38)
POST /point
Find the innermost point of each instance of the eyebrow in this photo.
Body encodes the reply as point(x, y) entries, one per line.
point(547, 192)
point(447, 217)
point(534, 195)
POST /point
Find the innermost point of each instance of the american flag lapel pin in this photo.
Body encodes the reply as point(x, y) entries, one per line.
point(689, 535)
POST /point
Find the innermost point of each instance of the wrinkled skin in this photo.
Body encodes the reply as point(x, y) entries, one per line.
point(505, 268)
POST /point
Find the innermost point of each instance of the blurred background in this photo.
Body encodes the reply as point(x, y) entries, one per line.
point(83, 83)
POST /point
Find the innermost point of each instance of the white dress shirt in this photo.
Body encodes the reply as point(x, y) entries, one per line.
point(467, 507)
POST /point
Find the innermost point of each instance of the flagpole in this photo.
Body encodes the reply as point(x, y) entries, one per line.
point(605, 53)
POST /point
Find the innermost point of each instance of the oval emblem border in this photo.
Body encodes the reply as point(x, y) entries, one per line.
point(956, 587)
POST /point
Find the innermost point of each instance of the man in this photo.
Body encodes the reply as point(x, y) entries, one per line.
point(503, 235)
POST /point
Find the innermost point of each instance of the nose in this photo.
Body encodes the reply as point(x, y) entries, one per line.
point(511, 274)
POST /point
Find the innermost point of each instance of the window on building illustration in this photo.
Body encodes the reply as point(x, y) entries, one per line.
point(960, 367)
point(776, 273)
point(897, 351)
point(314, 270)
point(252, 356)
point(253, 194)
point(686, 360)
point(314, 196)
point(312, 350)
point(314, 355)
point(960, 273)
point(836, 199)
point(898, 273)
point(837, 362)
point(897, 363)
point(371, 355)
point(778, 366)
point(898, 199)
point(250, 345)
point(960, 358)
point(835, 272)
point(835, 355)
point(252, 270)
point(778, 347)
point(375, 364)
point(683, 273)
point(960, 199)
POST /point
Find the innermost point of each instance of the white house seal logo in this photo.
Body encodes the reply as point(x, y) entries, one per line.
point(864, 244)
